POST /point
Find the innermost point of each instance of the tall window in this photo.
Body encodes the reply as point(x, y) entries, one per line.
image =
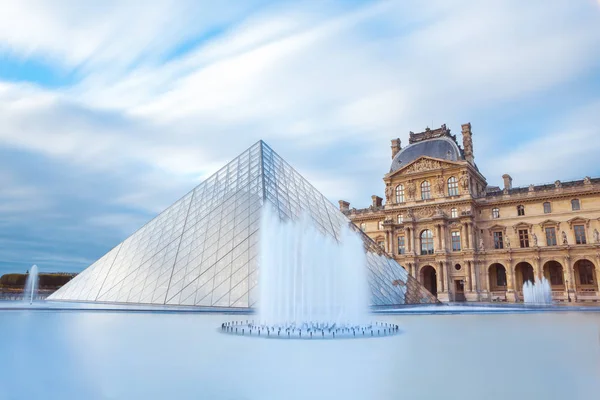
point(551, 236)
point(400, 218)
point(586, 273)
point(454, 213)
point(380, 225)
point(426, 242)
point(500, 277)
point(401, 246)
point(452, 186)
point(575, 206)
point(579, 234)
point(425, 190)
point(524, 237)
point(547, 208)
point(520, 210)
point(400, 194)
point(455, 241)
point(363, 226)
point(495, 213)
point(498, 240)
point(556, 274)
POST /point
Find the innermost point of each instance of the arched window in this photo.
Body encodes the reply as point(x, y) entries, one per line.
point(400, 194)
point(425, 190)
point(495, 213)
point(575, 206)
point(454, 213)
point(520, 210)
point(426, 242)
point(547, 208)
point(452, 186)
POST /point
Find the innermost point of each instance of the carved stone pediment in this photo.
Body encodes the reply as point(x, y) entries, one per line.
point(423, 164)
point(522, 225)
point(549, 223)
point(496, 228)
point(578, 221)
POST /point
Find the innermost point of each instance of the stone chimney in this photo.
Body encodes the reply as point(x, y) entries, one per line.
point(507, 182)
point(344, 205)
point(396, 147)
point(468, 142)
point(377, 201)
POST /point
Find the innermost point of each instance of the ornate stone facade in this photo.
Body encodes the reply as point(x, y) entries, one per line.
point(467, 241)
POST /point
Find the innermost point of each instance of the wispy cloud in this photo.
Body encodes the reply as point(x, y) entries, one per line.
point(166, 92)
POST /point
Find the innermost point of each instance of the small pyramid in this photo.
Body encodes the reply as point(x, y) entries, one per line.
point(203, 249)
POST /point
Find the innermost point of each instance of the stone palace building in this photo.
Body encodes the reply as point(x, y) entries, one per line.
point(467, 241)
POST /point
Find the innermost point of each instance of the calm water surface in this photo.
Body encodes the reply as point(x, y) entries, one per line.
point(118, 355)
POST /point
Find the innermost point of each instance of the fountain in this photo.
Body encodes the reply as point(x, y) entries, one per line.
point(31, 285)
point(538, 292)
point(311, 286)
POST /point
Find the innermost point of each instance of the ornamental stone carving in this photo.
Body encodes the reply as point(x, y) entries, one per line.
point(464, 182)
point(424, 212)
point(423, 165)
point(411, 188)
point(596, 236)
point(440, 185)
point(388, 193)
point(564, 238)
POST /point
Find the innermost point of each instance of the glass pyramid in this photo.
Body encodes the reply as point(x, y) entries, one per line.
point(202, 250)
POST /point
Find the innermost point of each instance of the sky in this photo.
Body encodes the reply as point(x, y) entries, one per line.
point(112, 110)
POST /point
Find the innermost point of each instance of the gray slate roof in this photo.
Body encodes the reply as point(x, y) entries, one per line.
point(443, 148)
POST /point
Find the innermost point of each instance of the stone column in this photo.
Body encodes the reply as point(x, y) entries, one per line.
point(443, 289)
point(511, 295)
point(392, 243)
point(469, 277)
point(570, 276)
point(443, 229)
point(439, 237)
point(537, 268)
point(412, 241)
point(463, 236)
point(472, 236)
point(407, 233)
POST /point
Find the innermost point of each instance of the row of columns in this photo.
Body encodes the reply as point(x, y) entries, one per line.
point(412, 245)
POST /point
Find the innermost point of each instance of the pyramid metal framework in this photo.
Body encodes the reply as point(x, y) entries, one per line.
point(203, 249)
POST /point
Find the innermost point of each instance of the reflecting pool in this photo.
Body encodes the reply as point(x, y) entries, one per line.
point(104, 354)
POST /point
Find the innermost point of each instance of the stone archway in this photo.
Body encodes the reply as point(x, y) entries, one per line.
point(497, 278)
point(585, 277)
point(429, 279)
point(523, 273)
point(554, 273)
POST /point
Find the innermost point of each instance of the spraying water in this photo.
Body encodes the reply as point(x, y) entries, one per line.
point(539, 292)
point(31, 285)
point(308, 279)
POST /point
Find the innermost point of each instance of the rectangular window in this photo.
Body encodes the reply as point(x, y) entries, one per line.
point(495, 213)
point(498, 240)
point(579, 234)
point(551, 236)
point(500, 277)
point(380, 225)
point(400, 219)
point(455, 241)
point(524, 237)
point(401, 247)
point(547, 208)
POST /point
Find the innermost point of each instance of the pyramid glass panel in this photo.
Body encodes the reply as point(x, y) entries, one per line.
point(203, 249)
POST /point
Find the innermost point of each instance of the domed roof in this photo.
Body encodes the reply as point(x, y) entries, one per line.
point(440, 147)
